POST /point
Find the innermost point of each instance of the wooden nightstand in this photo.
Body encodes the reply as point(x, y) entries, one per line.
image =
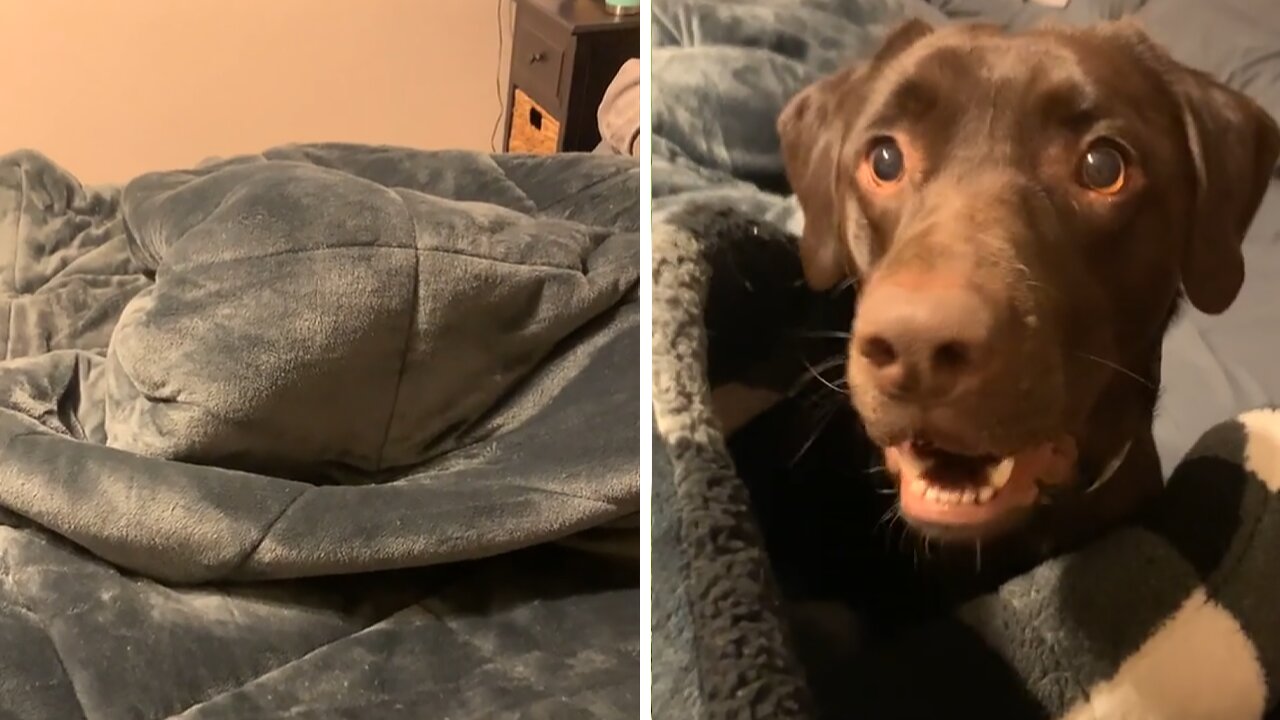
point(564, 54)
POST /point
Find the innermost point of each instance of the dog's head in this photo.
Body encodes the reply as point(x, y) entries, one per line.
point(1022, 214)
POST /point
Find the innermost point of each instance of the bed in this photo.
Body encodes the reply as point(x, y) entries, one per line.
point(767, 587)
point(328, 431)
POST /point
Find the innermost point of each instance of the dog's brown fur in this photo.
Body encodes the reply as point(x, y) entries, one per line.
point(1081, 287)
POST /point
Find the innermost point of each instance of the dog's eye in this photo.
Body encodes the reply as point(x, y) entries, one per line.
point(886, 160)
point(1102, 169)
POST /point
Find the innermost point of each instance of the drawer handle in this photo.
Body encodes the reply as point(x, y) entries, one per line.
point(537, 57)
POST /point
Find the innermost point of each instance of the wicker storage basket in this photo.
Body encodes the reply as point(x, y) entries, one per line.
point(533, 130)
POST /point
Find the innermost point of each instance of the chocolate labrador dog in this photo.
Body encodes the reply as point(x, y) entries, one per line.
point(1023, 215)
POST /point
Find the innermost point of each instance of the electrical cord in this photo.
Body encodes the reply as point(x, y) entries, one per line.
point(497, 82)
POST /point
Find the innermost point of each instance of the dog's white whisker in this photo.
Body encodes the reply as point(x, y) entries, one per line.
point(885, 518)
point(823, 380)
point(906, 535)
point(894, 514)
point(827, 334)
point(826, 418)
point(815, 372)
point(1117, 368)
point(829, 363)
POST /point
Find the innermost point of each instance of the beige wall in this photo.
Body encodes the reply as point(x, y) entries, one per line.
point(111, 88)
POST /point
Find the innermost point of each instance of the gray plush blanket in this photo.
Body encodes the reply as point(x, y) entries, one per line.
point(771, 591)
point(331, 431)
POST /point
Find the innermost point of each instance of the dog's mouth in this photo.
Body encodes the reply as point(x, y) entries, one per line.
point(953, 495)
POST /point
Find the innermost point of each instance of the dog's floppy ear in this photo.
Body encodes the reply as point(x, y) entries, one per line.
point(812, 131)
point(1233, 145)
point(813, 127)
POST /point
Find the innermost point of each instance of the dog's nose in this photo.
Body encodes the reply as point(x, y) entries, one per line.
point(920, 340)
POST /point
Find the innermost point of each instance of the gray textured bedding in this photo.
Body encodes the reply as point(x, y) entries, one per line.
point(330, 431)
point(763, 556)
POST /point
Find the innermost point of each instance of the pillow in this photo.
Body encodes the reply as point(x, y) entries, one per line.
point(1235, 41)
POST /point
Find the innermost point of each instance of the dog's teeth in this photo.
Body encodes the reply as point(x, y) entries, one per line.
point(999, 476)
point(985, 494)
point(918, 486)
point(933, 493)
point(968, 496)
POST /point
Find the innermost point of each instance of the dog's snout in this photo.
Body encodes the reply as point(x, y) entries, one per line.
point(923, 339)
